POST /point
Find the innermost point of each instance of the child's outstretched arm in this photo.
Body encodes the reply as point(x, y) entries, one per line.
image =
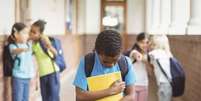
point(19, 50)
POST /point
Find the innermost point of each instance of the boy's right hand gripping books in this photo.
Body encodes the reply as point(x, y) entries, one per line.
point(101, 82)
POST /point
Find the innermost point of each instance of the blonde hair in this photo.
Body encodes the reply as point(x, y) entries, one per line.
point(161, 42)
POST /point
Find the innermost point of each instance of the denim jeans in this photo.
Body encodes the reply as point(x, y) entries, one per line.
point(20, 89)
point(165, 92)
point(50, 87)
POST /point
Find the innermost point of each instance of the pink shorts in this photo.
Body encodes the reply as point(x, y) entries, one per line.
point(141, 93)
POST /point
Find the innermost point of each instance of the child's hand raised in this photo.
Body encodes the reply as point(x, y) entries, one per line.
point(46, 41)
point(135, 55)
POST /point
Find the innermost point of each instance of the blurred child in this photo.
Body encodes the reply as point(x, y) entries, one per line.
point(23, 69)
point(48, 69)
point(139, 56)
point(160, 53)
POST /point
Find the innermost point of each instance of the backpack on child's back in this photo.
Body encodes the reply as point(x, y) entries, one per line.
point(8, 61)
point(59, 58)
point(178, 77)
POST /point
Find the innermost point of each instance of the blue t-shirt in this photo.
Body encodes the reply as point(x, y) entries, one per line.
point(98, 69)
point(24, 69)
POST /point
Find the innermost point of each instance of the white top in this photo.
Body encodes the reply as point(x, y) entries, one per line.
point(164, 60)
point(140, 73)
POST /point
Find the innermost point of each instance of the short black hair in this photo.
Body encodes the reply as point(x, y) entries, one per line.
point(41, 24)
point(109, 43)
point(141, 36)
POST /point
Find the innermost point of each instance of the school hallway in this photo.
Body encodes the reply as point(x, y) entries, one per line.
point(76, 23)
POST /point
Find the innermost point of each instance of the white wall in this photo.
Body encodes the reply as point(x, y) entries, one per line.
point(89, 16)
point(93, 8)
point(82, 16)
point(51, 11)
point(7, 15)
point(135, 16)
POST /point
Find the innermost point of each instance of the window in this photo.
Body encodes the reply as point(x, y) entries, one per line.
point(113, 15)
point(71, 16)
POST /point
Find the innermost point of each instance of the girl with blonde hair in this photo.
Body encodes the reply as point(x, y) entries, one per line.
point(160, 54)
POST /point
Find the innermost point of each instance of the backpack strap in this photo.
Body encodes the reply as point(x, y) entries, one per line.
point(163, 71)
point(89, 61)
point(123, 65)
point(16, 58)
point(46, 51)
point(44, 48)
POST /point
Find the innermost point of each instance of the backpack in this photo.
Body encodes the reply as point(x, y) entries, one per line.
point(127, 52)
point(90, 60)
point(8, 60)
point(59, 58)
point(178, 77)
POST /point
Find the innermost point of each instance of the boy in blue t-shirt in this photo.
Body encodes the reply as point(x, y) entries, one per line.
point(107, 53)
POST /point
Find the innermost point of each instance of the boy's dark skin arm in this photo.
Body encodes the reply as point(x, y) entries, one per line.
point(130, 93)
point(92, 96)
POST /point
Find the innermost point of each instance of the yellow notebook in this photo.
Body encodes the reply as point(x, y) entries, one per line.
point(101, 82)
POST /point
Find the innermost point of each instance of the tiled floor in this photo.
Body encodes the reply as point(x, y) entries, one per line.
point(67, 89)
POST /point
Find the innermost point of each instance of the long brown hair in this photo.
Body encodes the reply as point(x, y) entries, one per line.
point(17, 27)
